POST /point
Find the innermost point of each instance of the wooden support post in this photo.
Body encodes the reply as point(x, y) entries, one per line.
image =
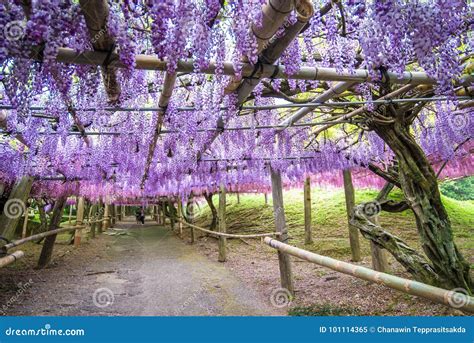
point(266, 198)
point(15, 207)
point(171, 212)
point(106, 221)
point(70, 214)
point(113, 219)
point(308, 239)
point(238, 198)
point(280, 225)
point(48, 245)
point(350, 201)
point(118, 212)
point(79, 221)
point(222, 225)
point(160, 214)
point(180, 217)
point(190, 211)
point(25, 223)
point(101, 210)
point(93, 218)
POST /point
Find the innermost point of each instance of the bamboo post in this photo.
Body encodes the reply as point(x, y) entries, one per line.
point(93, 218)
point(307, 212)
point(25, 223)
point(106, 221)
point(48, 245)
point(280, 225)
point(180, 217)
point(171, 212)
point(113, 219)
point(222, 225)
point(70, 215)
point(190, 210)
point(118, 212)
point(101, 225)
point(79, 221)
point(159, 217)
point(350, 201)
point(15, 206)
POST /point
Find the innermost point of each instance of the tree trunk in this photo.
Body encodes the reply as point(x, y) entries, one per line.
point(308, 239)
point(350, 200)
point(222, 224)
point(420, 187)
point(48, 244)
point(208, 197)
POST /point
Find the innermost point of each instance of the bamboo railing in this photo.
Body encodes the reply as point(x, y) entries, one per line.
point(436, 294)
point(39, 236)
point(229, 235)
point(4, 261)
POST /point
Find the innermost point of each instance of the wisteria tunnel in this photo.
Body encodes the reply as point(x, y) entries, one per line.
point(236, 157)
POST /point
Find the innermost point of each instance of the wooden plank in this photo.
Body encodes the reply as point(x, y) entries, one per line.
point(280, 226)
point(308, 239)
point(222, 224)
point(350, 202)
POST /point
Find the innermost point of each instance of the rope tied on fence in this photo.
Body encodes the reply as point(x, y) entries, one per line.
point(230, 235)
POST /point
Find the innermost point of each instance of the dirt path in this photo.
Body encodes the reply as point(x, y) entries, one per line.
point(148, 271)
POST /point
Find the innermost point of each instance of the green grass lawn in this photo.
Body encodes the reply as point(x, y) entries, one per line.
point(329, 220)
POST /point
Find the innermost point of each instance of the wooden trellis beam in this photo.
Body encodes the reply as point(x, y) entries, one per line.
point(96, 14)
point(146, 62)
point(168, 85)
point(274, 15)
